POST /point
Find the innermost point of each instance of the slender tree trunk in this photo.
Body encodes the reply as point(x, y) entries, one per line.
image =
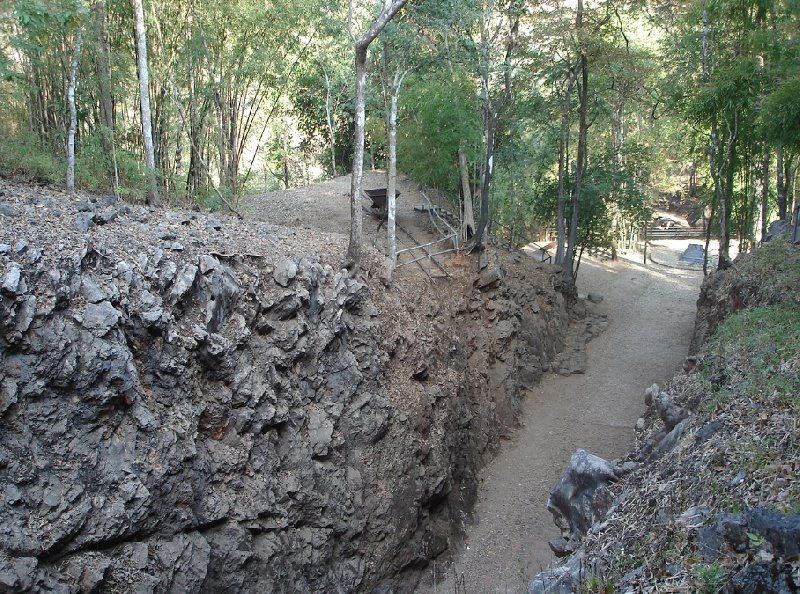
point(390, 8)
point(356, 217)
point(780, 186)
point(394, 91)
point(486, 181)
point(329, 121)
point(765, 194)
point(583, 104)
point(73, 116)
point(104, 88)
point(144, 103)
point(468, 223)
point(488, 136)
point(563, 169)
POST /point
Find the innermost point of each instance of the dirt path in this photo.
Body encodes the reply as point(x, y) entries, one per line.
point(651, 312)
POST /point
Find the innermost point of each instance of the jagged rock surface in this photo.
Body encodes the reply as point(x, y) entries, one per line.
point(189, 405)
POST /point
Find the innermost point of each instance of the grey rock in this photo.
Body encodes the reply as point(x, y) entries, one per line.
point(626, 468)
point(184, 282)
point(214, 223)
point(670, 440)
point(100, 317)
point(12, 279)
point(595, 297)
point(320, 431)
point(85, 206)
point(17, 573)
point(778, 228)
point(669, 412)
point(91, 290)
point(83, 221)
point(7, 210)
point(285, 272)
point(763, 577)
point(489, 278)
point(781, 531)
point(579, 499)
point(564, 579)
point(104, 216)
point(21, 246)
point(26, 311)
point(650, 394)
point(207, 263)
point(706, 431)
point(694, 517)
point(5, 248)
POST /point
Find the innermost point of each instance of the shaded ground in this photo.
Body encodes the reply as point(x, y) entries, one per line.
point(651, 312)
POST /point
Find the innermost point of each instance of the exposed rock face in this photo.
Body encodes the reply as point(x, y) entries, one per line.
point(580, 498)
point(177, 417)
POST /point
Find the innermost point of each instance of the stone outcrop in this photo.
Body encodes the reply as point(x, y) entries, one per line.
point(582, 497)
point(193, 406)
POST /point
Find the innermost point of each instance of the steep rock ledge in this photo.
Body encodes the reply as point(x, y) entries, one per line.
point(196, 404)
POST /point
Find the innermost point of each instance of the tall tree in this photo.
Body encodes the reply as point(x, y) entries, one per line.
point(73, 116)
point(390, 8)
point(153, 197)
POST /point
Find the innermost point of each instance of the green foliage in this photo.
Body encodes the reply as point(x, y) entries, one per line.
point(780, 117)
point(21, 154)
point(597, 585)
point(709, 578)
point(439, 112)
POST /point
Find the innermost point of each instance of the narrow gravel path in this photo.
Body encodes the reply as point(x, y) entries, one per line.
point(651, 313)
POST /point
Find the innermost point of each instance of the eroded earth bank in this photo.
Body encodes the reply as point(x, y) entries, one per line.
point(190, 402)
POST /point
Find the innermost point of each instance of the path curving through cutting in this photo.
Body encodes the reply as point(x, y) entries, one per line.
point(651, 314)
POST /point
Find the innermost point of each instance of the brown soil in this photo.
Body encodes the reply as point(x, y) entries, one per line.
point(651, 312)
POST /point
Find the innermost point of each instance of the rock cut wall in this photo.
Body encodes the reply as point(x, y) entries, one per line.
point(188, 406)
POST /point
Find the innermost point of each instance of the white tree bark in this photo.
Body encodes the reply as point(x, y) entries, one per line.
point(144, 102)
point(394, 91)
point(73, 115)
point(390, 8)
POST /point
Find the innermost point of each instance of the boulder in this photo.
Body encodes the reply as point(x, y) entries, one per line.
point(581, 497)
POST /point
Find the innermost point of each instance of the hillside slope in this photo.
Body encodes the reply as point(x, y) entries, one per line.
point(715, 505)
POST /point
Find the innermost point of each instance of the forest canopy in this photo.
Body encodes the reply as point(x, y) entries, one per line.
point(547, 118)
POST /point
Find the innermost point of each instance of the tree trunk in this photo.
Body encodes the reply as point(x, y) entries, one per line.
point(390, 8)
point(468, 223)
point(765, 194)
point(394, 91)
point(486, 181)
point(356, 218)
point(563, 169)
point(73, 115)
point(580, 166)
point(153, 198)
point(780, 183)
point(329, 121)
point(104, 87)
